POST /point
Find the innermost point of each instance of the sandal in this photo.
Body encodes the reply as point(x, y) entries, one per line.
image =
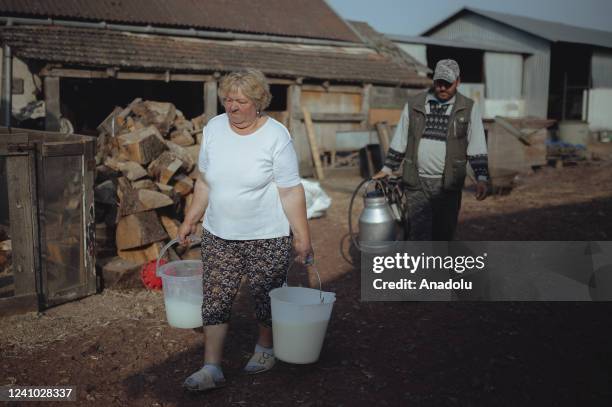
point(260, 362)
point(202, 380)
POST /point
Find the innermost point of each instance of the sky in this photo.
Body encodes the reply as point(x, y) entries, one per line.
point(412, 17)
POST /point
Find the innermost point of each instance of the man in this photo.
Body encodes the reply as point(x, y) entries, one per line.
point(438, 133)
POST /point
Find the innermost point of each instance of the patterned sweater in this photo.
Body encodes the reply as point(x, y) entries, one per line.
point(432, 148)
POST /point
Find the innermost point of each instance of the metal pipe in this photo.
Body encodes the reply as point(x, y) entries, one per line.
point(191, 32)
point(7, 86)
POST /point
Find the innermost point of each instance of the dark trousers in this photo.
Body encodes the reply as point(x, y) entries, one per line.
point(432, 211)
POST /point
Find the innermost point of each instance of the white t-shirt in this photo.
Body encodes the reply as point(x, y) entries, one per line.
point(243, 173)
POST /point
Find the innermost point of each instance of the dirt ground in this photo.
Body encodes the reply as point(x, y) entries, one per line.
point(118, 350)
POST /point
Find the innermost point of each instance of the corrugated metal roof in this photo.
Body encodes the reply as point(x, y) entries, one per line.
point(551, 31)
point(457, 44)
point(102, 48)
point(296, 18)
point(384, 45)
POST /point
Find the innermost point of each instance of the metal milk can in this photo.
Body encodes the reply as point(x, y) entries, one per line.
point(377, 225)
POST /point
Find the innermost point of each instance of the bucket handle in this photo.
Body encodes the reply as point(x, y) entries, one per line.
point(309, 262)
point(190, 239)
point(377, 183)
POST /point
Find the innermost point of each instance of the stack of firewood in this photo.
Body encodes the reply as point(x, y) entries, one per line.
point(146, 164)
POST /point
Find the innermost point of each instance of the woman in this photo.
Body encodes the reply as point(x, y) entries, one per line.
point(254, 209)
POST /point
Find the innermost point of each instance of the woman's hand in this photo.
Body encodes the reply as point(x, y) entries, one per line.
point(185, 230)
point(303, 250)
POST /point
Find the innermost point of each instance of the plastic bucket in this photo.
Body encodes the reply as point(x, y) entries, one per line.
point(182, 287)
point(299, 321)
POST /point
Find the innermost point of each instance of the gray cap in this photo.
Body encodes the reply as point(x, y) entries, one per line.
point(446, 70)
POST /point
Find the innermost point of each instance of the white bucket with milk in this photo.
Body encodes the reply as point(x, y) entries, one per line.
point(299, 321)
point(182, 287)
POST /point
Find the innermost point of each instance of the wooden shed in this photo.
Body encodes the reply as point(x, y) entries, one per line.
point(90, 58)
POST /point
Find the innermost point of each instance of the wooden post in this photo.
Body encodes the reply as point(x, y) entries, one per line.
point(383, 136)
point(314, 148)
point(23, 225)
point(210, 100)
point(365, 104)
point(52, 103)
point(293, 105)
point(296, 128)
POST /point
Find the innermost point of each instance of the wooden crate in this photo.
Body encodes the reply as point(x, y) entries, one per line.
point(49, 180)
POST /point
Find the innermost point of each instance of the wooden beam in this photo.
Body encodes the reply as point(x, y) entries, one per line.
point(314, 148)
point(210, 99)
point(333, 89)
point(336, 117)
point(52, 103)
point(103, 74)
point(276, 81)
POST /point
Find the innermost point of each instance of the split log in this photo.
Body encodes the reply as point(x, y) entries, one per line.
point(159, 114)
point(138, 230)
point(182, 154)
point(145, 184)
point(123, 115)
point(122, 273)
point(165, 188)
point(183, 185)
point(123, 188)
point(171, 226)
point(182, 138)
point(142, 146)
point(183, 124)
point(6, 246)
point(132, 171)
point(107, 124)
point(194, 152)
point(199, 122)
point(142, 255)
point(132, 125)
point(169, 191)
point(142, 200)
point(164, 167)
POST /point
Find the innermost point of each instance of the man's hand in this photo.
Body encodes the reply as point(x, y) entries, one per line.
point(380, 175)
point(481, 190)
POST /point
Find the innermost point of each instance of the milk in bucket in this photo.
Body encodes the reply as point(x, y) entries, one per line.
point(182, 287)
point(299, 321)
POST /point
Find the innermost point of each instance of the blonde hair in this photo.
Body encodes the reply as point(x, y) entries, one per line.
point(251, 82)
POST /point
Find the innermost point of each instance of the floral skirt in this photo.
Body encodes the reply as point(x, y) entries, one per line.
point(263, 262)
